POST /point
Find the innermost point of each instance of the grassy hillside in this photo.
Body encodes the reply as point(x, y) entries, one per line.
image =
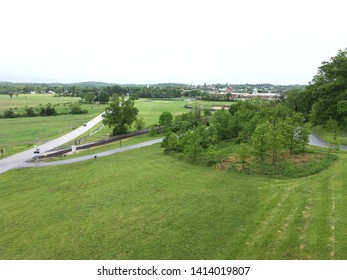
point(144, 204)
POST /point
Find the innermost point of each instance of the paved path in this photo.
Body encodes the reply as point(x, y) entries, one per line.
point(89, 157)
point(314, 140)
point(19, 159)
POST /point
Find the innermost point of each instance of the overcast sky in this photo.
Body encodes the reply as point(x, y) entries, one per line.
point(183, 41)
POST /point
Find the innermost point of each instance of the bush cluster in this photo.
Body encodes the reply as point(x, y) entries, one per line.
point(48, 110)
point(255, 132)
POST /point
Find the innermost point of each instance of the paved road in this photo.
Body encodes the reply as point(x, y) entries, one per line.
point(19, 159)
point(89, 157)
point(314, 140)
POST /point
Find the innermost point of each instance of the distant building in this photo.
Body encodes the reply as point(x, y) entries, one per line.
point(239, 95)
point(268, 96)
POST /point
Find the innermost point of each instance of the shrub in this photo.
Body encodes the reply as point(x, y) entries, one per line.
point(10, 113)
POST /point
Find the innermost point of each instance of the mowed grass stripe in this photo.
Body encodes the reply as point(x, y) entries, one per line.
point(340, 186)
point(316, 217)
point(143, 204)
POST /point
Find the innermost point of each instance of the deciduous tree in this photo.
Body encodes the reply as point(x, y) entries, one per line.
point(120, 115)
point(260, 140)
point(329, 87)
point(166, 120)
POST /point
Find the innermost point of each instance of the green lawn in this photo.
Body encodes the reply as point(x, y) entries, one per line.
point(106, 147)
point(150, 110)
point(143, 204)
point(19, 134)
point(32, 100)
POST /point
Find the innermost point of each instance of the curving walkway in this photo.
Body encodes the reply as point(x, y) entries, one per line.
point(21, 160)
point(18, 160)
point(93, 156)
point(314, 140)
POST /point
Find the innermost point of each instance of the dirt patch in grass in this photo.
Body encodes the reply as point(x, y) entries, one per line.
point(288, 165)
point(232, 159)
point(300, 158)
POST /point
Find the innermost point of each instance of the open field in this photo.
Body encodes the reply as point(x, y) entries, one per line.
point(61, 104)
point(150, 110)
point(32, 100)
point(18, 134)
point(143, 204)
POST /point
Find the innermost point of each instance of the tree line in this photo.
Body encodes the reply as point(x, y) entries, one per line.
point(102, 93)
point(324, 100)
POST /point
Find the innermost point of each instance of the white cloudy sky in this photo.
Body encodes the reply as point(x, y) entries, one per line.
point(153, 41)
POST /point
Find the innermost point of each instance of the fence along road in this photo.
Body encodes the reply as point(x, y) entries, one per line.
point(92, 156)
point(313, 140)
point(19, 160)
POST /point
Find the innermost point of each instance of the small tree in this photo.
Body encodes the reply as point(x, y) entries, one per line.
point(276, 140)
point(89, 97)
point(333, 145)
point(197, 110)
point(48, 110)
point(222, 121)
point(183, 123)
point(165, 120)
point(193, 146)
point(303, 133)
point(139, 123)
point(75, 108)
point(207, 112)
point(102, 97)
point(293, 128)
point(243, 152)
point(212, 152)
point(10, 113)
point(332, 125)
point(120, 115)
point(29, 112)
point(171, 142)
point(153, 132)
point(260, 140)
